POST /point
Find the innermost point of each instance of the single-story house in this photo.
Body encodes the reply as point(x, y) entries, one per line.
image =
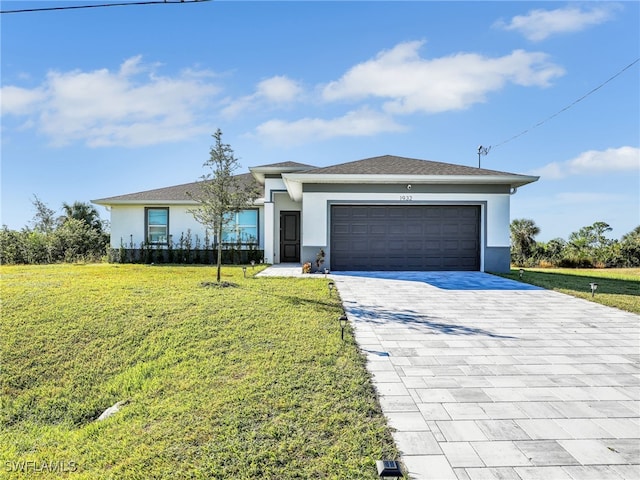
point(381, 213)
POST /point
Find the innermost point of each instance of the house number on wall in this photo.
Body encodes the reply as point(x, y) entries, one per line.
point(406, 198)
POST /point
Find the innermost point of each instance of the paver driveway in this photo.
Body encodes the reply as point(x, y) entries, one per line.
point(485, 378)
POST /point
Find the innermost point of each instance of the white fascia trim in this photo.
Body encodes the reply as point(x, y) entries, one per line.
point(294, 181)
point(188, 203)
point(146, 202)
point(260, 173)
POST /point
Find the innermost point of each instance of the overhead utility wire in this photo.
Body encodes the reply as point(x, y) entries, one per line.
point(75, 7)
point(565, 108)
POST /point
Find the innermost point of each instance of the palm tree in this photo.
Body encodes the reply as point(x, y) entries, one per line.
point(633, 235)
point(523, 231)
point(83, 212)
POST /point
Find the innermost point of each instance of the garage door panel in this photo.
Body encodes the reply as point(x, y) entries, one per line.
point(470, 245)
point(378, 245)
point(341, 229)
point(405, 237)
point(377, 229)
point(413, 229)
point(358, 228)
point(413, 246)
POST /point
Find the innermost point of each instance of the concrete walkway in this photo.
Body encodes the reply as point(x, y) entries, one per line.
point(485, 378)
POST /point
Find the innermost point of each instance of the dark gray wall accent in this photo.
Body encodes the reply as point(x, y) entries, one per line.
point(401, 189)
point(497, 259)
point(309, 254)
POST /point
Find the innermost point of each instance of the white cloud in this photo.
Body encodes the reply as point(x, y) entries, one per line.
point(538, 25)
point(551, 171)
point(130, 107)
point(612, 159)
point(414, 84)
point(359, 123)
point(19, 101)
point(594, 162)
point(278, 91)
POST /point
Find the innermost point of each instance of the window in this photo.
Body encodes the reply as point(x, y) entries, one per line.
point(156, 225)
point(241, 228)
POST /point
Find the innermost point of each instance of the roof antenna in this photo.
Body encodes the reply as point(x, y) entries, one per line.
point(482, 151)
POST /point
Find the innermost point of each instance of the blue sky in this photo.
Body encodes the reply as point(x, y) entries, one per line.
point(106, 101)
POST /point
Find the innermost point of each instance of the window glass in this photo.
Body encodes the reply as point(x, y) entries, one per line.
point(243, 228)
point(157, 225)
point(158, 216)
point(248, 217)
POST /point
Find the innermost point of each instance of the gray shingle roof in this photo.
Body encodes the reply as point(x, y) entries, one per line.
point(383, 165)
point(392, 165)
point(177, 193)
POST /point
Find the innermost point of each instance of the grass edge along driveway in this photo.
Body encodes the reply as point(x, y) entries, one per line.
point(617, 287)
point(249, 381)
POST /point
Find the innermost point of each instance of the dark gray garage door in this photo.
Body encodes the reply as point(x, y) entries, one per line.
point(405, 237)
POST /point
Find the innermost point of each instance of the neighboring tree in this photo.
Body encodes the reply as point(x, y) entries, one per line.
point(553, 250)
point(630, 248)
point(44, 220)
point(221, 193)
point(590, 242)
point(523, 231)
point(84, 212)
point(632, 236)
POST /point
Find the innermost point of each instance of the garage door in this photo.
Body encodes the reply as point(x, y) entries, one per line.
point(405, 237)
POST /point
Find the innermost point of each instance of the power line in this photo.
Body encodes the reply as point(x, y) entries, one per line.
point(75, 7)
point(542, 122)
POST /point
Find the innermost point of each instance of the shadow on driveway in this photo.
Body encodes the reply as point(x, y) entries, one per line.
point(411, 318)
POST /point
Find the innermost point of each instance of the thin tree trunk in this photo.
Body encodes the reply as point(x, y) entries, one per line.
point(219, 251)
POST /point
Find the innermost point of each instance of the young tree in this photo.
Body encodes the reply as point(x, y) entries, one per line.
point(221, 193)
point(44, 219)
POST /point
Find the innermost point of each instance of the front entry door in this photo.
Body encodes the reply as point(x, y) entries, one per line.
point(289, 237)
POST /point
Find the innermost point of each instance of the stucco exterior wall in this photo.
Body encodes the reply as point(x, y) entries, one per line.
point(127, 224)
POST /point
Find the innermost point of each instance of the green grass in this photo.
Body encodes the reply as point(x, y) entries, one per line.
point(618, 288)
point(250, 381)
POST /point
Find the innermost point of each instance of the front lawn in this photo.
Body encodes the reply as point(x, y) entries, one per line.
point(248, 381)
point(617, 287)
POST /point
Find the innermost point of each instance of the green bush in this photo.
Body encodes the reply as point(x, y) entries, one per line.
point(73, 241)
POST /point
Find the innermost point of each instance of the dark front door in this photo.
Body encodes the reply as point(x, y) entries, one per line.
point(289, 237)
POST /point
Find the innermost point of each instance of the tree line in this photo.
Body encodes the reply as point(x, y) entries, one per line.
point(589, 247)
point(78, 235)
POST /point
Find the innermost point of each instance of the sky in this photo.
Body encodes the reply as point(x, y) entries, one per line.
point(106, 101)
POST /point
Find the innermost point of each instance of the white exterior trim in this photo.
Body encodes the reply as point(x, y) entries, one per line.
point(295, 181)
